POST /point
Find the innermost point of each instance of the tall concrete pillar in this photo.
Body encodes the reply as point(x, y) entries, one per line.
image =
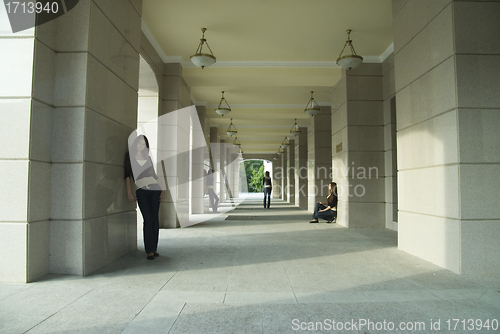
point(290, 170)
point(447, 77)
point(175, 138)
point(284, 177)
point(26, 111)
point(358, 147)
point(222, 172)
point(319, 156)
point(70, 100)
point(277, 176)
point(197, 170)
point(215, 159)
point(235, 173)
point(229, 175)
point(390, 145)
point(301, 169)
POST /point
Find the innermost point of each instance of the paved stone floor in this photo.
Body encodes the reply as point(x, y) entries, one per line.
point(260, 271)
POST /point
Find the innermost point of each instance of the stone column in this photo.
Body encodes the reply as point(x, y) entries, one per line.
point(25, 156)
point(290, 170)
point(319, 156)
point(175, 138)
point(390, 145)
point(277, 176)
point(235, 173)
point(222, 171)
point(358, 147)
point(215, 159)
point(284, 177)
point(229, 175)
point(197, 170)
point(301, 169)
point(76, 83)
point(447, 114)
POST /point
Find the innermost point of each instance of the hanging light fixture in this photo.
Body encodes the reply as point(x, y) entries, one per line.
point(201, 59)
point(280, 151)
point(223, 109)
point(295, 131)
point(350, 61)
point(231, 130)
point(236, 142)
point(312, 107)
point(285, 143)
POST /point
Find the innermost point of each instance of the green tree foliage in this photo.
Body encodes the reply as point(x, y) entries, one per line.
point(256, 181)
point(253, 170)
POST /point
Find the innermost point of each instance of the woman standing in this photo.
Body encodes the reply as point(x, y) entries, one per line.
point(267, 185)
point(139, 167)
point(327, 210)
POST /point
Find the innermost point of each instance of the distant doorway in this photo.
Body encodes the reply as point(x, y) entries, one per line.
point(252, 173)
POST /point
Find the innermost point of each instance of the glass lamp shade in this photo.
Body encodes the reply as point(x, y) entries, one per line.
point(349, 62)
point(295, 130)
point(312, 107)
point(236, 142)
point(312, 110)
point(202, 60)
point(231, 129)
point(223, 111)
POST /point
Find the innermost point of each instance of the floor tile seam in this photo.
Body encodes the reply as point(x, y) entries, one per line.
point(486, 290)
point(41, 322)
point(176, 318)
point(404, 300)
point(417, 283)
point(225, 292)
point(432, 291)
point(62, 308)
point(289, 281)
point(14, 293)
point(489, 302)
point(147, 303)
point(261, 318)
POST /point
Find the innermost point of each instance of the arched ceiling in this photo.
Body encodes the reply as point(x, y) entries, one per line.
point(270, 55)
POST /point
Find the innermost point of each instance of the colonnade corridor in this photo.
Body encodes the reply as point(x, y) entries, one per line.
point(254, 270)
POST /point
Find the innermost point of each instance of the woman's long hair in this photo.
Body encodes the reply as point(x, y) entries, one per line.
point(333, 191)
point(133, 148)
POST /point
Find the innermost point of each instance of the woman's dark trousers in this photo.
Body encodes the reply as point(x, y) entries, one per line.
point(267, 194)
point(328, 215)
point(149, 204)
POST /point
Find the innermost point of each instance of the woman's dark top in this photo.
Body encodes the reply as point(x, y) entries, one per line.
point(136, 172)
point(266, 181)
point(333, 202)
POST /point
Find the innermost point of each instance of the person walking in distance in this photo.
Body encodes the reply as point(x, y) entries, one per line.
point(267, 186)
